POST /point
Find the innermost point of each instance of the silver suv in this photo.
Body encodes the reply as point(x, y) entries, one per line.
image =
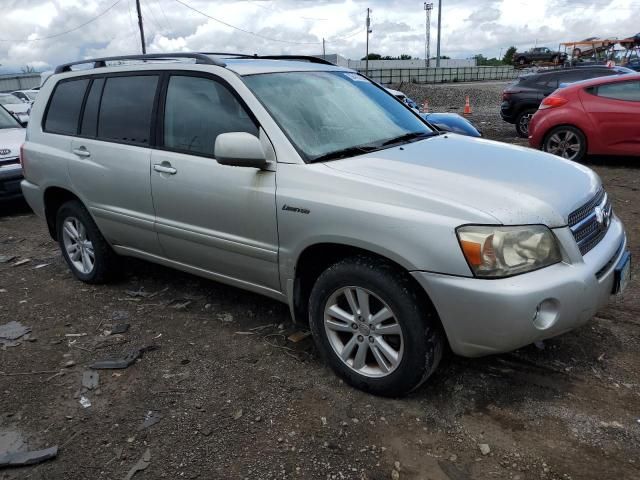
point(308, 183)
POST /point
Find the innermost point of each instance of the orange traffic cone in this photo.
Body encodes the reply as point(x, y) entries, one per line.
point(467, 107)
point(425, 106)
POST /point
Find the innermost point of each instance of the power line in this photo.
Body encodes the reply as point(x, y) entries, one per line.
point(264, 37)
point(66, 31)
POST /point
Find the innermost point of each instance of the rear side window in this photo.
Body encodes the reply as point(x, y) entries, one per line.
point(627, 91)
point(197, 110)
point(127, 108)
point(90, 117)
point(64, 109)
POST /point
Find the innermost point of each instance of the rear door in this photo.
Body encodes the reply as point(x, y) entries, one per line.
point(614, 108)
point(216, 218)
point(110, 159)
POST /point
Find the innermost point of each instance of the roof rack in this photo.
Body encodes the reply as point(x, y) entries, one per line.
point(200, 58)
point(304, 58)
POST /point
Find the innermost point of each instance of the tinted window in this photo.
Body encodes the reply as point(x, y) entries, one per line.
point(629, 91)
point(197, 110)
point(126, 108)
point(64, 109)
point(90, 117)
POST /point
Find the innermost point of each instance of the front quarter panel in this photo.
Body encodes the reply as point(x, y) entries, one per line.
point(317, 204)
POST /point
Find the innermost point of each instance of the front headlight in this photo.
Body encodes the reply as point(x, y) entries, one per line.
point(494, 252)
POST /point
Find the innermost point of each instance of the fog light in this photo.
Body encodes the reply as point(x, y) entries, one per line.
point(546, 314)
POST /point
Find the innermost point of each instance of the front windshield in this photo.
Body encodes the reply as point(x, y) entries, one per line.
point(7, 120)
point(324, 113)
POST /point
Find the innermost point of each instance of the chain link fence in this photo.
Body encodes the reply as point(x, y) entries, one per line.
point(441, 75)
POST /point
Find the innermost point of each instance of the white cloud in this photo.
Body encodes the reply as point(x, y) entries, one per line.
point(469, 26)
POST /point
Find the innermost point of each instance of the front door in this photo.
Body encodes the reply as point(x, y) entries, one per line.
point(213, 217)
point(615, 111)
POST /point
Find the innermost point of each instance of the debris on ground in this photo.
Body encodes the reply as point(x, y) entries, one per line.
point(237, 414)
point(142, 464)
point(123, 360)
point(42, 265)
point(298, 336)
point(21, 459)
point(484, 448)
point(90, 379)
point(179, 303)
point(150, 419)
point(85, 402)
point(11, 333)
point(7, 258)
point(225, 317)
point(21, 262)
point(119, 315)
point(119, 328)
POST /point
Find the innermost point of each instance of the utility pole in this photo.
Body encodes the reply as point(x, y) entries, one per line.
point(427, 33)
point(366, 68)
point(324, 52)
point(439, 29)
point(144, 47)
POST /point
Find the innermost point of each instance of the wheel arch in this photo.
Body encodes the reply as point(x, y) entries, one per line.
point(316, 258)
point(54, 198)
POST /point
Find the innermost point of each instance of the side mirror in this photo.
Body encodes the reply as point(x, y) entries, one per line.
point(239, 149)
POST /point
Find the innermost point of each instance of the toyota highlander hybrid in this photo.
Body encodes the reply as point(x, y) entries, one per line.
point(308, 183)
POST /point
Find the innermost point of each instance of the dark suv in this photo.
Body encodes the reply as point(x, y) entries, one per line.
point(521, 99)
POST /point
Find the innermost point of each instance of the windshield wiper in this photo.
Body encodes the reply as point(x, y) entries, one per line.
point(407, 137)
point(344, 153)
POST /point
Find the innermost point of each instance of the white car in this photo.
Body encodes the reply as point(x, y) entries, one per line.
point(15, 106)
point(27, 96)
point(11, 138)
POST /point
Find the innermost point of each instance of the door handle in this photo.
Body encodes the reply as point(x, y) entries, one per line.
point(82, 152)
point(166, 168)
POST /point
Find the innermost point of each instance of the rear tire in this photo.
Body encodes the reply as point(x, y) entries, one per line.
point(366, 342)
point(522, 122)
point(567, 142)
point(88, 255)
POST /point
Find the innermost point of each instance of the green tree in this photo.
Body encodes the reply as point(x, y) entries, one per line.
point(373, 56)
point(508, 55)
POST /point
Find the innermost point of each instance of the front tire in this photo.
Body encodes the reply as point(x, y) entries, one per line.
point(522, 122)
point(567, 142)
point(373, 327)
point(87, 253)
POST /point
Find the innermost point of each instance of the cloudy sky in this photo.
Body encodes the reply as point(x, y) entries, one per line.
point(43, 33)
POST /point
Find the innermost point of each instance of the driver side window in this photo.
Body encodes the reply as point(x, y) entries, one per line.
point(199, 109)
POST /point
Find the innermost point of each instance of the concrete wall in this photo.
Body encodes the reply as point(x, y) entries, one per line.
point(440, 75)
point(19, 81)
point(415, 63)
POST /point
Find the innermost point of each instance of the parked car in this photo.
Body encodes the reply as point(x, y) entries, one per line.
point(28, 96)
point(308, 183)
point(11, 138)
point(520, 100)
point(16, 107)
point(539, 54)
point(443, 122)
point(600, 116)
point(452, 122)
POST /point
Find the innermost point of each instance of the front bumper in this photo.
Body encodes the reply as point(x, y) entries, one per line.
point(482, 317)
point(10, 179)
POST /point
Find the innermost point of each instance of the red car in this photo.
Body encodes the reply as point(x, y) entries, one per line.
point(593, 117)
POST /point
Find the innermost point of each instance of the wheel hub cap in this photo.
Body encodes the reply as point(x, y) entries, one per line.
point(77, 245)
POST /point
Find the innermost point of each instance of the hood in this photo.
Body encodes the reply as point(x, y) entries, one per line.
point(11, 139)
point(514, 185)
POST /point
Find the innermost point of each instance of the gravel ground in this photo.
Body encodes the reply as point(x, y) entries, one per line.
point(238, 400)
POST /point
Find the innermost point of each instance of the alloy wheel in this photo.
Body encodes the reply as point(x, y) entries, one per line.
point(363, 331)
point(77, 245)
point(565, 144)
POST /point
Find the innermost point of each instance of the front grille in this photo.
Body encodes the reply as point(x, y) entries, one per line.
point(9, 161)
point(590, 222)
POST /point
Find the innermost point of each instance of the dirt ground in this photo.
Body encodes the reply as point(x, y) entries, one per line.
point(238, 400)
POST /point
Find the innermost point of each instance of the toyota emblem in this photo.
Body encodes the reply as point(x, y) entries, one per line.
point(4, 151)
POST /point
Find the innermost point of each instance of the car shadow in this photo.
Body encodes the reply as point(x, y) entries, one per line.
point(612, 161)
point(18, 206)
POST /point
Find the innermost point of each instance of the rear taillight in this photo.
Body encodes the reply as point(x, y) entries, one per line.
point(506, 95)
point(553, 102)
